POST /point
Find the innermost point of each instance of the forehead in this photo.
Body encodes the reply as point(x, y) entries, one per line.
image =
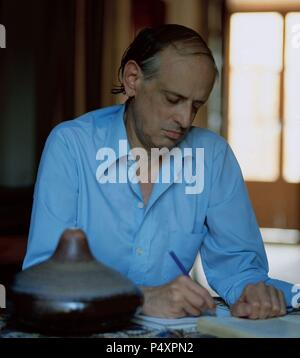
point(192, 75)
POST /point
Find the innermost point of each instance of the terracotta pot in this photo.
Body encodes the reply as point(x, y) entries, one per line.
point(72, 293)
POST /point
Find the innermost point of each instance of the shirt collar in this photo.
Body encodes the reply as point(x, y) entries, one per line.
point(117, 132)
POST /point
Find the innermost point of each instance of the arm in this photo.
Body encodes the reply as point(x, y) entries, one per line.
point(55, 199)
point(233, 253)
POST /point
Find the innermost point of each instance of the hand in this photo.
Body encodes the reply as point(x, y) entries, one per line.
point(181, 297)
point(259, 301)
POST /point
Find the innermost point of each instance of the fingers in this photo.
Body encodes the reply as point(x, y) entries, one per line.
point(190, 309)
point(200, 295)
point(251, 297)
point(275, 302)
point(189, 296)
point(264, 306)
point(241, 309)
point(195, 304)
point(260, 301)
point(282, 311)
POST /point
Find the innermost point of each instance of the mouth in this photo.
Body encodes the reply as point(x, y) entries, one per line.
point(173, 134)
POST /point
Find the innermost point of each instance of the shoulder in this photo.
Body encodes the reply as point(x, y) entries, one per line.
point(99, 119)
point(86, 126)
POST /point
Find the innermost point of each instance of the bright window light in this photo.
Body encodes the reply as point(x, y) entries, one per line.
point(291, 148)
point(256, 45)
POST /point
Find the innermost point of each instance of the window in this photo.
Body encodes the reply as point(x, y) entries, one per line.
point(263, 112)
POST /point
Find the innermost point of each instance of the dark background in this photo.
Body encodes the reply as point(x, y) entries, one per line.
point(37, 79)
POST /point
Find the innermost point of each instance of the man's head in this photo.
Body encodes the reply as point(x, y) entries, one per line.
point(168, 74)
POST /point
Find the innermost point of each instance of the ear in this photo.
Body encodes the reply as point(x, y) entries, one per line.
point(131, 78)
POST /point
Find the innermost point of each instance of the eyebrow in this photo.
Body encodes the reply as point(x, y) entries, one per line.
point(181, 96)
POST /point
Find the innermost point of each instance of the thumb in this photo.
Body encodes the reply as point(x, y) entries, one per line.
point(241, 309)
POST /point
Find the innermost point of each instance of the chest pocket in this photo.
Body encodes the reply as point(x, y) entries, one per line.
point(186, 246)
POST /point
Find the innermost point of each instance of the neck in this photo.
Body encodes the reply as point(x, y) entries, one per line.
point(130, 125)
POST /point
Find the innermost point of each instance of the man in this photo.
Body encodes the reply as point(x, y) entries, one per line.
point(167, 75)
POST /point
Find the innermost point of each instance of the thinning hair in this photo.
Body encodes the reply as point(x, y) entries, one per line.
point(149, 43)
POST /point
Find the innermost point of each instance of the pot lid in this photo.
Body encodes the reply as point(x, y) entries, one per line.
point(72, 273)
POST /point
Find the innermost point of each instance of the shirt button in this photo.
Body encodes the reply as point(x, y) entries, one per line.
point(140, 205)
point(139, 251)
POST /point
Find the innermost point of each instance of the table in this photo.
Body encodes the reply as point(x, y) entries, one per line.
point(134, 331)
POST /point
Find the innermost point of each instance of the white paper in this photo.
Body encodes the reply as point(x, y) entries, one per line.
point(230, 327)
point(177, 323)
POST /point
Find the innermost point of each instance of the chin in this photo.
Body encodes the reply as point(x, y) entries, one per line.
point(166, 143)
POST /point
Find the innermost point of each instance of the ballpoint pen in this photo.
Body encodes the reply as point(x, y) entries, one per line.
point(178, 263)
point(210, 312)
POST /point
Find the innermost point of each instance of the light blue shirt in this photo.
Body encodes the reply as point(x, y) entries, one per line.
point(136, 239)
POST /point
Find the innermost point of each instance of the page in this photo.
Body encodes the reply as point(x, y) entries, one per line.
point(230, 327)
point(178, 323)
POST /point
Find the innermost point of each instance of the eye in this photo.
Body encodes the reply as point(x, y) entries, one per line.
point(196, 108)
point(172, 100)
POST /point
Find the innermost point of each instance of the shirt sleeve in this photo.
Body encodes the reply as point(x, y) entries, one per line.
point(233, 253)
point(55, 199)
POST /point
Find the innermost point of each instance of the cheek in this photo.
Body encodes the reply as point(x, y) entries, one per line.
point(154, 117)
point(158, 119)
point(154, 114)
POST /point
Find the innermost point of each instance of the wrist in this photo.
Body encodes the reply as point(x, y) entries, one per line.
point(148, 298)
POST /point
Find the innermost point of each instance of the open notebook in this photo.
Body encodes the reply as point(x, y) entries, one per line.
point(222, 324)
point(177, 323)
point(230, 327)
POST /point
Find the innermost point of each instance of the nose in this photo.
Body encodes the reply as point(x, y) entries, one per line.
point(184, 116)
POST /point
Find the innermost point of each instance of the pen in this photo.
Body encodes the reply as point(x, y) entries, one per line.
point(178, 263)
point(210, 312)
